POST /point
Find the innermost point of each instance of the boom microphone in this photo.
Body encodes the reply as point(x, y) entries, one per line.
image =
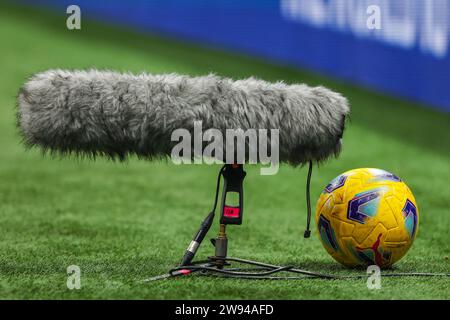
point(113, 114)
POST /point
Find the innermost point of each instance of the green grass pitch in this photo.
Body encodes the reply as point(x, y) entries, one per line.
point(122, 223)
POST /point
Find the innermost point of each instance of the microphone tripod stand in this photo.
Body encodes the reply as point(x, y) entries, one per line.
point(230, 213)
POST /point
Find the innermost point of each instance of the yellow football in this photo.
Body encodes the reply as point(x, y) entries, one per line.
point(367, 217)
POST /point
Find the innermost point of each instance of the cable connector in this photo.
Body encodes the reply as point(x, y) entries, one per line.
point(198, 238)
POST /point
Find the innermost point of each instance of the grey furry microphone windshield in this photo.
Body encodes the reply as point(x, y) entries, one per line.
point(114, 114)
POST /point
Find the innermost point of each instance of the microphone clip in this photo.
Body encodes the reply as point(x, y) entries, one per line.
point(232, 207)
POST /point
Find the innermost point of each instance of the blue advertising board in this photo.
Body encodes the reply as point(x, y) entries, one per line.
point(399, 47)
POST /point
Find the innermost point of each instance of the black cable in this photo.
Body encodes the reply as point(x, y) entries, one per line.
point(272, 266)
point(265, 271)
point(396, 275)
point(219, 176)
point(232, 273)
point(191, 250)
point(308, 202)
point(268, 268)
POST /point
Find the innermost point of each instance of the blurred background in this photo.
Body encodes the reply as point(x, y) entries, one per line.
point(122, 222)
point(398, 47)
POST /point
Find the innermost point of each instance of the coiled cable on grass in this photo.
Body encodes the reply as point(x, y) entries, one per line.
point(266, 271)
